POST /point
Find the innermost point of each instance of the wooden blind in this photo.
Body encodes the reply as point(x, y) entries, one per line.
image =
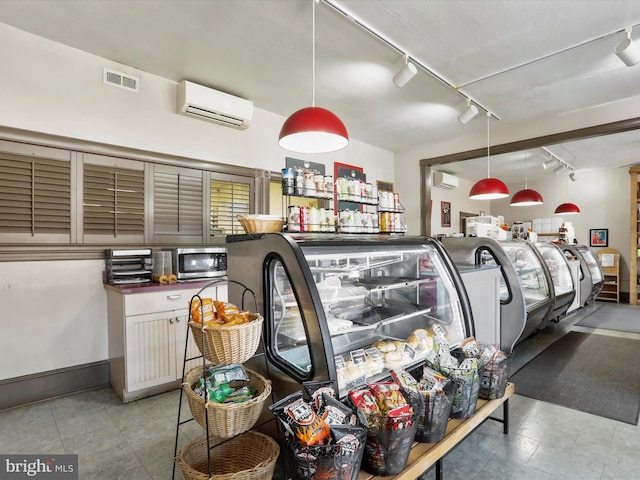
point(35, 195)
point(113, 200)
point(177, 202)
point(228, 200)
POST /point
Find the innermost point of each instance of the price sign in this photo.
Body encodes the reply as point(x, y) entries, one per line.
point(374, 354)
point(409, 351)
point(340, 365)
point(358, 356)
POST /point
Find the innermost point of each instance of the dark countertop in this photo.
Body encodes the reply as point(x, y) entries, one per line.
point(132, 288)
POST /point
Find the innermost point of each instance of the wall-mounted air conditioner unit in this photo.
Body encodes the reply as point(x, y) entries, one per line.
point(444, 180)
point(213, 106)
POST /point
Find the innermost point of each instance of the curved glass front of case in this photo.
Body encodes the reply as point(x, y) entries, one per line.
point(530, 271)
point(558, 267)
point(382, 306)
point(592, 263)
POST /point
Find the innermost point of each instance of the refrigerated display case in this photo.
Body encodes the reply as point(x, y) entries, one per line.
point(592, 275)
point(347, 308)
point(564, 290)
point(526, 297)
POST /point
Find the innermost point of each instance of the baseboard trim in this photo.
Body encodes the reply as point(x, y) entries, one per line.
point(54, 383)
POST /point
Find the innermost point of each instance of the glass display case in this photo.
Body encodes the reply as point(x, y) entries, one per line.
point(591, 275)
point(349, 308)
point(525, 294)
point(561, 280)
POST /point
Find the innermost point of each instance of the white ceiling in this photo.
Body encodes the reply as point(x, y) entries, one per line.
point(522, 60)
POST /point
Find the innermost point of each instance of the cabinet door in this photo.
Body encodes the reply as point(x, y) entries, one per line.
point(182, 332)
point(150, 350)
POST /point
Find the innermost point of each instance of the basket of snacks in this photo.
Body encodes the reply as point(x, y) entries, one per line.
point(250, 456)
point(227, 335)
point(323, 437)
point(261, 223)
point(235, 398)
point(392, 426)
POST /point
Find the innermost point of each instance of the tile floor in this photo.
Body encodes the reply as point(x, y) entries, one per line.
point(136, 440)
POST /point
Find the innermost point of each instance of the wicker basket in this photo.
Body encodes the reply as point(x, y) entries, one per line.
point(227, 419)
point(261, 223)
point(235, 344)
point(250, 456)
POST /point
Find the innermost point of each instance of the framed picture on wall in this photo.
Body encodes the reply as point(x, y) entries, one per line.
point(599, 237)
point(446, 214)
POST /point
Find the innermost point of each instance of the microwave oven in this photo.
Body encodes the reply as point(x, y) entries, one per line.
point(199, 262)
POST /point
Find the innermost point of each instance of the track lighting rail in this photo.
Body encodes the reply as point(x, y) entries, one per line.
point(413, 60)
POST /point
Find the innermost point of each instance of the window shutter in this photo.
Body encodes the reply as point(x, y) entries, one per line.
point(35, 196)
point(113, 200)
point(228, 200)
point(177, 202)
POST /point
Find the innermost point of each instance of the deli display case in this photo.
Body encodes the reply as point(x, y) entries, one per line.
point(347, 308)
point(564, 290)
point(591, 278)
point(526, 297)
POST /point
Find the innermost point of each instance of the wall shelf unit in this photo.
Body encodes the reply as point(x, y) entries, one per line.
point(635, 235)
point(609, 259)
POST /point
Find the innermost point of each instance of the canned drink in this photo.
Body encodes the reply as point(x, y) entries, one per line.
point(299, 181)
point(384, 221)
point(293, 223)
point(374, 193)
point(314, 219)
point(304, 219)
point(396, 201)
point(318, 180)
point(397, 223)
point(328, 186)
point(309, 184)
point(288, 181)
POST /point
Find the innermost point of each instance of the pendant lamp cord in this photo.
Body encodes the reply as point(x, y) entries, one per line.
point(313, 54)
point(488, 163)
point(526, 180)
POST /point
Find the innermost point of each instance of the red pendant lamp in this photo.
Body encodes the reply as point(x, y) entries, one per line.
point(567, 208)
point(313, 129)
point(488, 188)
point(526, 197)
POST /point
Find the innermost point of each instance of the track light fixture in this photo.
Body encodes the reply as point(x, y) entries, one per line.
point(552, 162)
point(470, 112)
point(559, 169)
point(406, 73)
point(627, 50)
point(572, 176)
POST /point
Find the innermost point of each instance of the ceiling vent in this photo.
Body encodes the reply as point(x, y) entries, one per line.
point(213, 106)
point(444, 180)
point(120, 80)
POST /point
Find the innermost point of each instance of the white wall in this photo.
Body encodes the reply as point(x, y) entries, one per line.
point(52, 314)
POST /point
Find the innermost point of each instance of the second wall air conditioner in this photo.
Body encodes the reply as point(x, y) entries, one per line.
point(214, 106)
point(444, 180)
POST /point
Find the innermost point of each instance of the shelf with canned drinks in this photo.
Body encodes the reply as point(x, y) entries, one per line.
point(309, 199)
point(318, 219)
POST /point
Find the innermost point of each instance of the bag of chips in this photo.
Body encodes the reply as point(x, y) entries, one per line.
point(298, 418)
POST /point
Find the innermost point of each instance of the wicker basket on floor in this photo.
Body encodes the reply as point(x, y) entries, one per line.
point(250, 456)
point(235, 344)
point(227, 419)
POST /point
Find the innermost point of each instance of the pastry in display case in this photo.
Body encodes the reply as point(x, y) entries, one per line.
point(526, 297)
point(349, 308)
point(564, 290)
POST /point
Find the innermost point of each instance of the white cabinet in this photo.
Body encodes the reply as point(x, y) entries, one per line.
point(147, 333)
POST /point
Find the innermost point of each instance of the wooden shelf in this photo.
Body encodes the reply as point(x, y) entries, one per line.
point(609, 259)
point(635, 235)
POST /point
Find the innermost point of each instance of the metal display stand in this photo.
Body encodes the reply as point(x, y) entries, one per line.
point(204, 365)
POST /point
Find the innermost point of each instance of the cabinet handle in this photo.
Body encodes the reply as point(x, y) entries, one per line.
point(177, 319)
point(171, 321)
point(174, 297)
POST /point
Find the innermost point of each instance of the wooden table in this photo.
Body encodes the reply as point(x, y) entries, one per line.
point(425, 455)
